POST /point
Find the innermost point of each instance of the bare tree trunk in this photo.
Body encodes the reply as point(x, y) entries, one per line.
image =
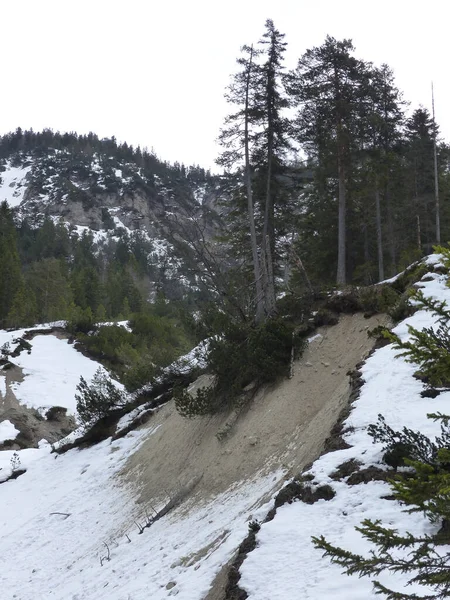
point(341, 279)
point(379, 234)
point(269, 283)
point(419, 236)
point(436, 178)
point(301, 266)
point(390, 226)
point(271, 298)
point(251, 215)
point(367, 275)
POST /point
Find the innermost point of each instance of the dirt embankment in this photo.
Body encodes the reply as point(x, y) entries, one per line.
point(284, 427)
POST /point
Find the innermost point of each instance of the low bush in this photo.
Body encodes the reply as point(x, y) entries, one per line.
point(98, 399)
point(429, 348)
point(244, 355)
point(241, 356)
point(80, 320)
point(378, 299)
point(195, 405)
point(425, 488)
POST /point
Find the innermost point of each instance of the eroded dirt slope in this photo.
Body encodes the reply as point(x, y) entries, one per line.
point(283, 428)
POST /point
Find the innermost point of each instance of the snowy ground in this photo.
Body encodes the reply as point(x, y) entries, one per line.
point(285, 563)
point(62, 517)
point(13, 184)
point(51, 370)
point(52, 364)
point(7, 431)
point(56, 518)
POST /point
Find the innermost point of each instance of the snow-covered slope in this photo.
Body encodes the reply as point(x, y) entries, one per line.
point(71, 524)
point(50, 370)
point(13, 184)
point(285, 563)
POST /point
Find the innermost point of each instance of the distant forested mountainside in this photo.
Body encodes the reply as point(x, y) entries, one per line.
point(110, 223)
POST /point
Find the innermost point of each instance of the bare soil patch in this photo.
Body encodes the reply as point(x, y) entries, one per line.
point(284, 427)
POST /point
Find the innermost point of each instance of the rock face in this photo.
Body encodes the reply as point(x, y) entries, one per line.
point(99, 194)
point(98, 187)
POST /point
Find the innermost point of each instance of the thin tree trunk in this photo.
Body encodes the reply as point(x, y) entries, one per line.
point(301, 266)
point(419, 237)
point(341, 279)
point(390, 226)
point(367, 276)
point(379, 234)
point(251, 215)
point(436, 178)
point(270, 279)
point(269, 284)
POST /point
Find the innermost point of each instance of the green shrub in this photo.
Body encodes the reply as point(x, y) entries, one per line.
point(347, 302)
point(200, 404)
point(107, 343)
point(411, 275)
point(241, 356)
point(378, 299)
point(428, 348)
point(325, 317)
point(426, 489)
point(98, 399)
point(139, 373)
point(80, 320)
point(295, 308)
point(403, 308)
point(246, 354)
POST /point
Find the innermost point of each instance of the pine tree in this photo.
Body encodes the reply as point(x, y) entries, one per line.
point(255, 139)
point(419, 153)
point(273, 145)
point(237, 139)
point(10, 271)
point(381, 133)
point(429, 348)
point(23, 311)
point(327, 84)
point(51, 288)
point(422, 558)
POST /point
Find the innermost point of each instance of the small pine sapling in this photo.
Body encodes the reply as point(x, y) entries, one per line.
point(98, 399)
point(15, 462)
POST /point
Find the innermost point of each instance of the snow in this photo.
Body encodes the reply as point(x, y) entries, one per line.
point(98, 236)
point(81, 507)
point(53, 365)
point(7, 431)
point(13, 184)
point(2, 384)
point(317, 336)
point(285, 561)
point(59, 519)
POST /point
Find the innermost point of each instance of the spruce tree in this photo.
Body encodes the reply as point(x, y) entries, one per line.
point(237, 139)
point(10, 270)
point(328, 86)
point(255, 140)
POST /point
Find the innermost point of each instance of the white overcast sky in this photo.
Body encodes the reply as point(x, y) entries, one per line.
point(154, 72)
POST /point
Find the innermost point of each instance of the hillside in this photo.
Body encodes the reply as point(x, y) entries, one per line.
point(114, 193)
point(161, 511)
point(220, 483)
